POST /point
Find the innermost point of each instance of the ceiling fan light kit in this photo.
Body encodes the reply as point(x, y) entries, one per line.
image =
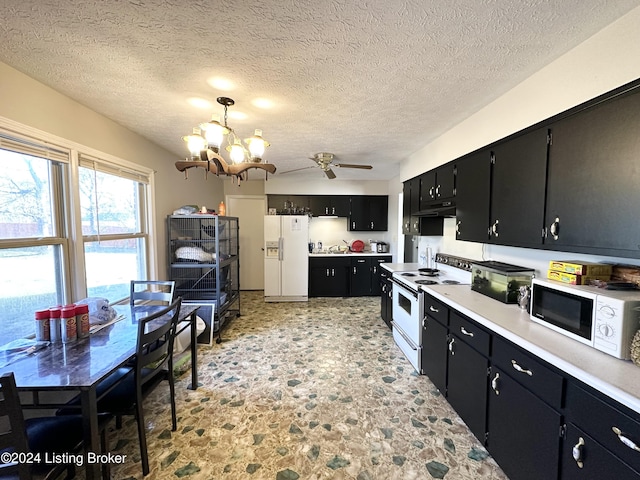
point(205, 150)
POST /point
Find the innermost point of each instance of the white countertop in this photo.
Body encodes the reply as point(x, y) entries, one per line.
point(619, 379)
point(400, 267)
point(350, 254)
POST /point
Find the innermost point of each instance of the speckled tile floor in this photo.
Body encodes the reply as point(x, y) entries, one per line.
point(305, 391)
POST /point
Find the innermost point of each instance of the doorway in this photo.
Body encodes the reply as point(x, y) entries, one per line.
point(250, 210)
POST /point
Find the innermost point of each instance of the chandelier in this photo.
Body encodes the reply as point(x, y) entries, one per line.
point(205, 150)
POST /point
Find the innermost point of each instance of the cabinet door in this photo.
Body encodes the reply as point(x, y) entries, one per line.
point(376, 271)
point(523, 431)
point(434, 352)
point(406, 208)
point(585, 459)
point(467, 385)
point(360, 277)
point(320, 205)
point(445, 181)
point(340, 205)
point(517, 190)
point(328, 277)
point(427, 189)
point(473, 197)
point(359, 213)
point(592, 189)
point(378, 213)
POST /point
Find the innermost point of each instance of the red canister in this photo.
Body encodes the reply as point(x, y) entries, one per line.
point(42, 326)
point(68, 326)
point(82, 320)
point(54, 324)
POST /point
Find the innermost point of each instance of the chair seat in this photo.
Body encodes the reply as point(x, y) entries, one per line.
point(122, 398)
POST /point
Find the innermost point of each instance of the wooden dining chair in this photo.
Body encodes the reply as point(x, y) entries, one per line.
point(39, 436)
point(153, 363)
point(152, 291)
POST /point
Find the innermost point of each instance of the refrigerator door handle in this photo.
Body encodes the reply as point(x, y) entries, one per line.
point(280, 246)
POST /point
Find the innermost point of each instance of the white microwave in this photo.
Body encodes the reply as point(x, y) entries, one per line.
point(604, 319)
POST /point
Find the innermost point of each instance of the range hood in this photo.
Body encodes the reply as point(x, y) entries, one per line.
point(438, 209)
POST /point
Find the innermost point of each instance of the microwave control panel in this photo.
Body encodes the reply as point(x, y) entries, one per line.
point(615, 323)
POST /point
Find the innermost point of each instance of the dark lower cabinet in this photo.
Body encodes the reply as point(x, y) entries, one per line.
point(583, 458)
point(345, 275)
point(328, 277)
point(434, 352)
point(468, 349)
point(523, 430)
point(386, 297)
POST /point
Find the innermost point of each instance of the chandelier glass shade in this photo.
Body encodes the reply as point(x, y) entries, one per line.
point(206, 141)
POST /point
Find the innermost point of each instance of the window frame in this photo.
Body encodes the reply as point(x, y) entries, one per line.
point(65, 194)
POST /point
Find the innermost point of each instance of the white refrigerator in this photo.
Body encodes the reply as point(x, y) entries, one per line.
point(286, 258)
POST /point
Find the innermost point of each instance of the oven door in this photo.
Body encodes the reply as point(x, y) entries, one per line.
point(406, 326)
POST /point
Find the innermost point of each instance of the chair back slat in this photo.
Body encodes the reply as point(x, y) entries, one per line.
point(155, 340)
point(14, 435)
point(149, 291)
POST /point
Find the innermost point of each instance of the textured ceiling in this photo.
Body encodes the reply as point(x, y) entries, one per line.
point(370, 81)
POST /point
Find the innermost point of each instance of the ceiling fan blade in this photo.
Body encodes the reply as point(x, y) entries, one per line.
point(296, 169)
point(330, 173)
point(351, 165)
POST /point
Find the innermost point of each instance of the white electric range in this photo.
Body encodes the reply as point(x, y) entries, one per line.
point(408, 300)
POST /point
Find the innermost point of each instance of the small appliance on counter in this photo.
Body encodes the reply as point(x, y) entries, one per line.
point(382, 247)
point(500, 281)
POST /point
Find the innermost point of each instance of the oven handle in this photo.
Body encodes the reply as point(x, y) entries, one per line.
point(404, 289)
point(404, 335)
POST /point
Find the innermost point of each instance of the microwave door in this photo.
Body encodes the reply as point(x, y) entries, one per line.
point(563, 312)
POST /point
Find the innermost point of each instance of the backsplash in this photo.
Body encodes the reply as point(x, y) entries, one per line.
point(333, 231)
point(524, 257)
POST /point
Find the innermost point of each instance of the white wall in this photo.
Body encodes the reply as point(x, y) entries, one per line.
point(33, 104)
point(602, 63)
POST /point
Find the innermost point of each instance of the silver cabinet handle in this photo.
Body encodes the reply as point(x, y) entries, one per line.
point(333, 272)
point(433, 309)
point(518, 368)
point(371, 225)
point(458, 227)
point(494, 384)
point(354, 270)
point(431, 192)
point(554, 228)
point(577, 452)
point(353, 225)
point(464, 332)
point(375, 269)
point(327, 272)
point(494, 228)
point(438, 191)
point(451, 342)
point(626, 440)
point(333, 210)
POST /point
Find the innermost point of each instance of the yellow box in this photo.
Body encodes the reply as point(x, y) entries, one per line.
point(578, 267)
point(573, 279)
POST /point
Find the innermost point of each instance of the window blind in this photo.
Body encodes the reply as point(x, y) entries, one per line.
point(36, 149)
point(112, 168)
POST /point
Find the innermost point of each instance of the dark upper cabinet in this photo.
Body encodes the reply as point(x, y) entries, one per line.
point(369, 213)
point(413, 224)
point(473, 196)
point(288, 204)
point(337, 205)
point(437, 184)
point(594, 173)
point(518, 176)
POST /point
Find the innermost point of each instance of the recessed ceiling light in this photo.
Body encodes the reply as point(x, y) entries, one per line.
point(262, 103)
point(236, 115)
point(200, 103)
point(221, 83)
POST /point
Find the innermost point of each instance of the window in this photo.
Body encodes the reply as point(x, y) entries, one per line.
point(112, 206)
point(47, 256)
point(32, 257)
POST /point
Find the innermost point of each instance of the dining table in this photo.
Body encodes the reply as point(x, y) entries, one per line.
point(46, 374)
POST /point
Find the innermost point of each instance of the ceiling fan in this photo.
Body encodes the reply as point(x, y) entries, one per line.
point(325, 161)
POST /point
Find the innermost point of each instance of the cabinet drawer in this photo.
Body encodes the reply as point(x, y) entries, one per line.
point(599, 417)
point(436, 309)
point(584, 458)
point(470, 332)
point(529, 371)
